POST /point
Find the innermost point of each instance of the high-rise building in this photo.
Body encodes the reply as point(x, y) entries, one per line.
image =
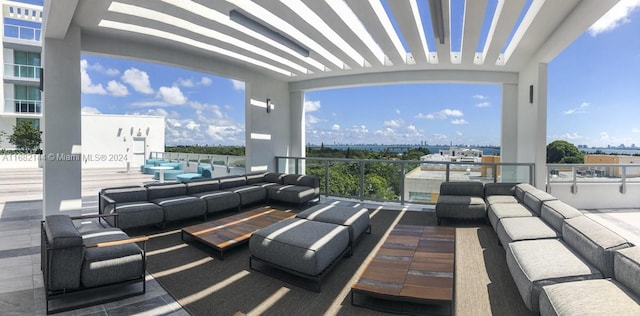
point(21, 58)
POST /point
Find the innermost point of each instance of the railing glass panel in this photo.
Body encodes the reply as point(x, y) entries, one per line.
point(22, 32)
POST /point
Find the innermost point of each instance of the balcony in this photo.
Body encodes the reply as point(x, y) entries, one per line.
point(21, 73)
point(23, 33)
point(16, 106)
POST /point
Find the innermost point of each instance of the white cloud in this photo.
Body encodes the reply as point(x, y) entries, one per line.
point(172, 95)
point(86, 86)
point(149, 103)
point(108, 71)
point(412, 128)
point(604, 136)
point(617, 16)
point(191, 125)
point(441, 115)
point(237, 85)
point(89, 110)
point(313, 120)
point(335, 127)
point(480, 97)
point(361, 129)
point(635, 130)
point(202, 107)
point(483, 104)
point(137, 79)
point(459, 133)
point(311, 106)
point(117, 89)
point(572, 136)
point(581, 109)
point(393, 123)
point(386, 132)
point(440, 137)
point(398, 111)
point(187, 83)
point(226, 133)
point(459, 122)
point(205, 81)
point(112, 72)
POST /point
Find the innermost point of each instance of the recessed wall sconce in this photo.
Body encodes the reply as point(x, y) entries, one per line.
point(147, 132)
point(531, 94)
point(268, 105)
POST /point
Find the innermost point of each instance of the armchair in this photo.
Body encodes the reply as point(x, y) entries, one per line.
point(74, 261)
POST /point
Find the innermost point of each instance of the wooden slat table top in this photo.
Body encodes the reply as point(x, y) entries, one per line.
point(231, 230)
point(415, 263)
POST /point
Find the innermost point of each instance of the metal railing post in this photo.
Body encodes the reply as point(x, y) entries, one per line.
point(495, 173)
point(446, 175)
point(296, 165)
point(361, 180)
point(623, 185)
point(326, 177)
point(402, 178)
point(574, 186)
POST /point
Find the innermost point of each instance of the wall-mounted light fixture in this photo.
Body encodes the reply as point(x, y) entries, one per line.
point(531, 94)
point(268, 105)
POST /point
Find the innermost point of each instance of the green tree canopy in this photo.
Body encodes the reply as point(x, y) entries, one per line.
point(26, 137)
point(560, 151)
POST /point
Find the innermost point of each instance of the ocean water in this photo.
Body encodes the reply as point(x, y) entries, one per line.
point(402, 148)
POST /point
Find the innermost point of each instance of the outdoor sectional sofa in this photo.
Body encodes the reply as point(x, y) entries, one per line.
point(563, 262)
point(160, 203)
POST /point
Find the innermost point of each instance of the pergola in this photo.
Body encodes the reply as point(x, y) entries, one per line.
point(281, 49)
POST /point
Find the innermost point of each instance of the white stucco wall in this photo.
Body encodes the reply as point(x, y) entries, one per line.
point(110, 141)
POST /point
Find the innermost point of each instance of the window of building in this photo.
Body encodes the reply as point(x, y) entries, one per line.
point(420, 196)
point(27, 99)
point(33, 121)
point(26, 64)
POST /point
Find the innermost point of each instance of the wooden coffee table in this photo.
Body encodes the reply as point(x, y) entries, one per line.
point(415, 264)
point(225, 233)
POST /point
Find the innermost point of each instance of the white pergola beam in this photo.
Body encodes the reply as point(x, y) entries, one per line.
point(403, 12)
point(472, 25)
point(505, 17)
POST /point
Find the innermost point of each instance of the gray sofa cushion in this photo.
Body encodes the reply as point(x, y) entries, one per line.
point(181, 207)
point(135, 214)
point(295, 194)
point(591, 297)
point(104, 265)
point(533, 200)
point(594, 242)
point(355, 219)
point(302, 180)
point(217, 201)
point(160, 191)
point(455, 206)
point(536, 263)
point(199, 186)
point(126, 194)
point(256, 177)
point(232, 181)
point(468, 188)
point(249, 194)
point(274, 177)
point(65, 259)
point(308, 247)
point(627, 268)
point(497, 199)
point(506, 210)
point(500, 188)
point(524, 228)
point(555, 212)
point(522, 188)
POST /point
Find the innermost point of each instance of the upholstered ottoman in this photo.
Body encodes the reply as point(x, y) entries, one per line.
point(524, 228)
point(307, 249)
point(355, 219)
point(187, 177)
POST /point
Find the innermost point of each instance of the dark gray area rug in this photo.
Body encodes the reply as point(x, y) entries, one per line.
point(204, 285)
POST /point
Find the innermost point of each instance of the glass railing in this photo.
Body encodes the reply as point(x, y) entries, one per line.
point(22, 71)
point(22, 32)
point(403, 181)
point(22, 106)
point(578, 174)
point(221, 164)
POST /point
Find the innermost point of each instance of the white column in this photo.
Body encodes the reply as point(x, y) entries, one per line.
point(62, 186)
point(297, 128)
point(267, 134)
point(532, 120)
point(509, 130)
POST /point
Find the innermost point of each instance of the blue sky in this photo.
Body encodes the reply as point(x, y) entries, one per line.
point(594, 93)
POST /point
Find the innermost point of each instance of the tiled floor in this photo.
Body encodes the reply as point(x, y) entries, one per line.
point(22, 290)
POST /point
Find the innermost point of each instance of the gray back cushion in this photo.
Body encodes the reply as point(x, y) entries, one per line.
point(208, 185)
point(257, 177)
point(155, 191)
point(503, 188)
point(533, 199)
point(554, 212)
point(65, 257)
point(627, 268)
point(232, 182)
point(522, 188)
point(125, 195)
point(468, 188)
point(274, 177)
point(304, 180)
point(593, 242)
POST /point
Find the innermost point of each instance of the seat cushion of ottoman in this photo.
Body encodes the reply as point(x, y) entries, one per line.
point(524, 228)
point(505, 210)
point(590, 297)
point(304, 246)
point(536, 263)
point(355, 219)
